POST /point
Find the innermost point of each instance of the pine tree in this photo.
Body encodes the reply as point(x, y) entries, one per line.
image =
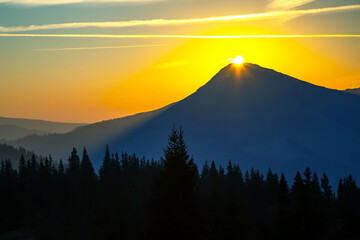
point(87, 175)
point(328, 206)
point(297, 207)
point(316, 209)
point(272, 187)
point(283, 191)
point(33, 165)
point(22, 171)
point(316, 190)
point(283, 213)
point(86, 168)
point(326, 187)
point(307, 179)
point(349, 208)
point(61, 168)
point(175, 193)
point(104, 172)
point(74, 163)
point(205, 170)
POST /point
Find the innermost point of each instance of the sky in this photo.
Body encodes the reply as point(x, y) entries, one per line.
point(87, 61)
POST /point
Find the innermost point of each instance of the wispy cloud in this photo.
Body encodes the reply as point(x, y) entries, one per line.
point(58, 2)
point(287, 4)
point(180, 36)
point(96, 48)
point(161, 22)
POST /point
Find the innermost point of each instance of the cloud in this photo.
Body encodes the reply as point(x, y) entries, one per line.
point(162, 22)
point(95, 48)
point(287, 4)
point(58, 2)
point(180, 36)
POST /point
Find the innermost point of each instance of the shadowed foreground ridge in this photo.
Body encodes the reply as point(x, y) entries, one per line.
point(254, 116)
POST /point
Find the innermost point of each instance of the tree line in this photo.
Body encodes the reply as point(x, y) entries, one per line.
point(136, 198)
point(10, 152)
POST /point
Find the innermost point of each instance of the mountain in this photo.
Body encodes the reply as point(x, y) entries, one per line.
point(12, 132)
point(94, 136)
point(253, 116)
point(355, 91)
point(13, 128)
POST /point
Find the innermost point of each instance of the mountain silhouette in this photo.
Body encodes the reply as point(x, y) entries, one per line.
point(355, 91)
point(248, 114)
point(12, 132)
point(14, 128)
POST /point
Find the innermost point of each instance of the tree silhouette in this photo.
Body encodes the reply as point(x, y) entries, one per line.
point(136, 198)
point(283, 212)
point(88, 175)
point(74, 163)
point(175, 193)
point(105, 169)
point(349, 208)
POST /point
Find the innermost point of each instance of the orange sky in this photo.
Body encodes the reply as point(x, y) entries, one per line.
point(91, 79)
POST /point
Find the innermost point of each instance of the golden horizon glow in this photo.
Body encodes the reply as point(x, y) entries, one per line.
point(144, 62)
point(238, 60)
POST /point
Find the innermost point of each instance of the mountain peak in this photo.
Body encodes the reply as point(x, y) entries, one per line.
point(242, 71)
point(236, 68)
point(247, 78)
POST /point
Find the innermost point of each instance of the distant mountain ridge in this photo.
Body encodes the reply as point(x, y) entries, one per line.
point(14, 154)
point(253, 116)
point(12, 132)
point(14, 128)
point(355, 91)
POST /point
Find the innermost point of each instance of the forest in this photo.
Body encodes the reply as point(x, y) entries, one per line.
point(136, 198)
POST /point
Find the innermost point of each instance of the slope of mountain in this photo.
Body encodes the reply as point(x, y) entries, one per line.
point(12, 132)
point(13, 128)
point(355, 91)
point(14, 154)
point(253, 116)
point(93, 136)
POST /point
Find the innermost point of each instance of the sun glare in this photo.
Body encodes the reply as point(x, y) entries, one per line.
point(238, 60)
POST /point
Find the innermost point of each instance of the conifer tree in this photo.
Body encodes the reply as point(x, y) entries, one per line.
point(283, 213)
point(87, 169)
point(61, 168)
point(316, 208)
point(87, 175)
point(175, 192)
point(349, 208)
point(33, 164)
point(74, 163)
point(105, 168)
point(326, 188)
point(283, 191)
point(298, 207)
point(22, 170)
point(205, 170)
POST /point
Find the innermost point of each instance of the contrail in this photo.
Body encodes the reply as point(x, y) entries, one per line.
point(94, 48)
point(57, 2)
point(161, 22)
point(287, 4)
point(179, 36)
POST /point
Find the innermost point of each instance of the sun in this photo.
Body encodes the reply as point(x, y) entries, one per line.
point(238, 60)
